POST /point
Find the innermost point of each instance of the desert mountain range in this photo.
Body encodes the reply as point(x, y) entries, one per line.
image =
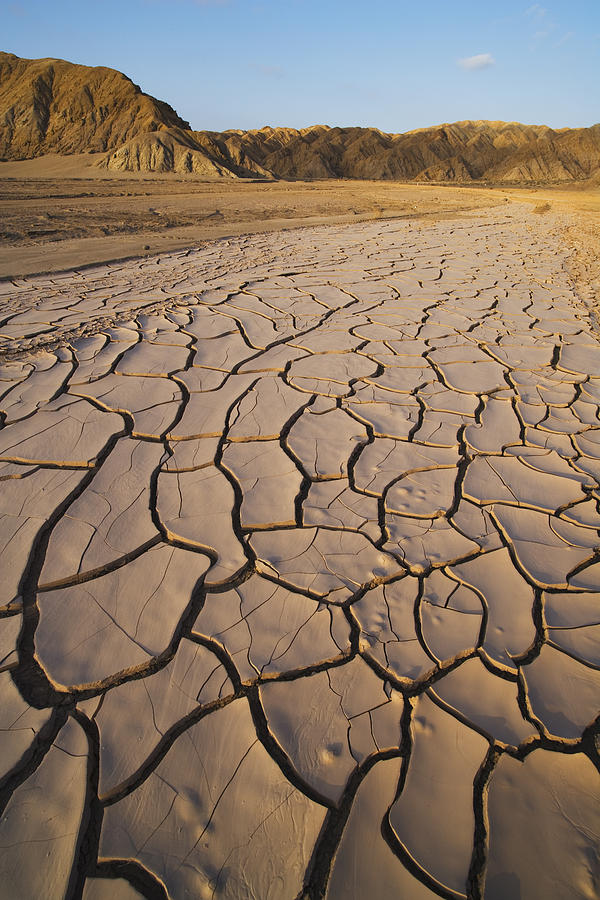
point(53, 106)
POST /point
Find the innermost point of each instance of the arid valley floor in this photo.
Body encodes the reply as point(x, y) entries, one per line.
point(300, 544)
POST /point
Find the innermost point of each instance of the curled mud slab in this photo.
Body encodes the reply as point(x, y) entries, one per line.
point(301, 595)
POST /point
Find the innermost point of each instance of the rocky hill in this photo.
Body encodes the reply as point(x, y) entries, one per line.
point(54, 106)
point(464, 151)
point(497, 152)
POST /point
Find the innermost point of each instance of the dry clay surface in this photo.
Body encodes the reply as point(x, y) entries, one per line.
point(301, 572)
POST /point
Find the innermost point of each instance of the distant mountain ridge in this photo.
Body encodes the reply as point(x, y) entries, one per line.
point(52, 106)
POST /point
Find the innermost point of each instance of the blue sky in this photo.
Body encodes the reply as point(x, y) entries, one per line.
point(390, 64)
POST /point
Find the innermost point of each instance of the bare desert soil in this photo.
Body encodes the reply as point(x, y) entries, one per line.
point(300, 543)
point(59, 213)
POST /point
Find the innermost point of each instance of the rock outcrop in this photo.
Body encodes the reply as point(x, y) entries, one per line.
point(177, 150)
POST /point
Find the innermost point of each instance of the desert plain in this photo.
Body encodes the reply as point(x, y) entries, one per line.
point(300, 538)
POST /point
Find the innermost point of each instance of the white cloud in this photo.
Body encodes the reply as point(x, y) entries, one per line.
point(536, 11)
point(479, 61)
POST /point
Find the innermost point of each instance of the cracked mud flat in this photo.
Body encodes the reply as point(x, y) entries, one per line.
point(301, 571)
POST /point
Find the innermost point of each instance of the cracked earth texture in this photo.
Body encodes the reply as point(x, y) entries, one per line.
point(301, 571)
